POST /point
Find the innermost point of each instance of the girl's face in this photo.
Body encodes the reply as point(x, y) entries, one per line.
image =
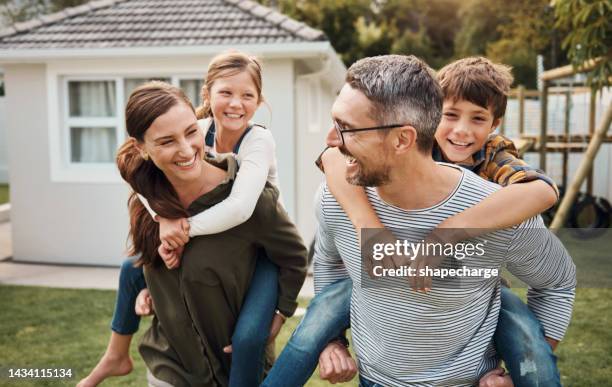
point(175, 143)
point(233, 101)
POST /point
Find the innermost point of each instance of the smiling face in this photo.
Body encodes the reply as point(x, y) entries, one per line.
point(365, 152)
point(175, 144)
point(234, 100)
point(464, 129)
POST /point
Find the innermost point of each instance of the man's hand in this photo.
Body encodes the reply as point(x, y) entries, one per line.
point(144, 303)
point(171, 257)
point(496, 378)
point(336, 364)
point(173, 233)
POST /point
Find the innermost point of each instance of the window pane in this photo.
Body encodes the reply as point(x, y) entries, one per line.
point(192, 88)
point(91, 98)
point(131, 83)
point(93, 144)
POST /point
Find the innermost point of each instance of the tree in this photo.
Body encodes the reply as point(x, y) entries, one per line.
point(15, 11)
point(589, 36)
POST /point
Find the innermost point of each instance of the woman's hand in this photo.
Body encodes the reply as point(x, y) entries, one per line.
point(144, 303)
point(277, 323)
point(171, 257)
point(275, 327)
point(173, 233)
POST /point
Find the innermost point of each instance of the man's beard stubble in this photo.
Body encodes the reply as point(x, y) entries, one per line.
point(366, 178)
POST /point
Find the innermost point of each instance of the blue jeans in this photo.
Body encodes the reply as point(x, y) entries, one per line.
point(363, 382)
point(326, 318)
point(252, 328)
point(131, 282)
point(519, 340)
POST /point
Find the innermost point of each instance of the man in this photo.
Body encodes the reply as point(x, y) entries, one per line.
point(385, 118)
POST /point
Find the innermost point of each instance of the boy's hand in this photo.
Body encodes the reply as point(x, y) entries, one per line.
point(336, 364)
point(171, 257)
point(173, 233)
point(144, 303)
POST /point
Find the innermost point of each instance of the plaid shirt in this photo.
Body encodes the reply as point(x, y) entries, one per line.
point(498, 161)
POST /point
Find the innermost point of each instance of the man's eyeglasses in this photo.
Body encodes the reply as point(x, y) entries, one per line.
point(340, 130)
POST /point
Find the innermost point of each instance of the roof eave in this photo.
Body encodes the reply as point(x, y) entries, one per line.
point(267, 50)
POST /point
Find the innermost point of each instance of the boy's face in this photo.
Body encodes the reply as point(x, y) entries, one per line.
point(464, 129)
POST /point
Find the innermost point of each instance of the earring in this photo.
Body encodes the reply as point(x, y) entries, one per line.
point(145, 156)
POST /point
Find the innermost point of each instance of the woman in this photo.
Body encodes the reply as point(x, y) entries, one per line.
point(231, 95)
point(197, 304)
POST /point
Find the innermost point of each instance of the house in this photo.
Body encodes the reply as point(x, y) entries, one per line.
point(3, 140)
point(68, 75)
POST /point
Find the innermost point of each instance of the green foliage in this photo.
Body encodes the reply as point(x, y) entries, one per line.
point(589, 35)
point(15, 11)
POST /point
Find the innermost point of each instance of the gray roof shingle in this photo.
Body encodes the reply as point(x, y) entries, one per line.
point(150, 23)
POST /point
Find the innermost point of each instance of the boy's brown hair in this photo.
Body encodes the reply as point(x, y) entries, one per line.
point(477, 80)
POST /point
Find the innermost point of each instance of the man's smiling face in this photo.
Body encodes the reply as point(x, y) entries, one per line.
point(366, 152)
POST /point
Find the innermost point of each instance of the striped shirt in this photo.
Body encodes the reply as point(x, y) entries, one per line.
point(443, 337)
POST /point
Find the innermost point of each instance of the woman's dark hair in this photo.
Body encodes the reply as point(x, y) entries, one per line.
point(146, 103)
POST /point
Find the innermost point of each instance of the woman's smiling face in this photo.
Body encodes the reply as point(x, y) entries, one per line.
point(175, 143)
point(233, 101)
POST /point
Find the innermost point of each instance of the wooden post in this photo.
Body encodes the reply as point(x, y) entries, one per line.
point(543, 124)
point(566, 131)
point(521, 107)
point(583, 169)
point(591, 130)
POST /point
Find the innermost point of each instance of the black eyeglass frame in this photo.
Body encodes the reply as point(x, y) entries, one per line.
point(340, 132)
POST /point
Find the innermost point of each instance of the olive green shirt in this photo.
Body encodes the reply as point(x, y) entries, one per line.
point(197, 305)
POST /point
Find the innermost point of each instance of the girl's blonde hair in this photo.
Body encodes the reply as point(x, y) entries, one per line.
point(227, 65)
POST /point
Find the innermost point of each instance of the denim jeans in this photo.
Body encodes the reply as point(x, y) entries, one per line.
point(363, 382)
point(519, 340)
point(131, 282)
point(252, 328)
point(327, 316)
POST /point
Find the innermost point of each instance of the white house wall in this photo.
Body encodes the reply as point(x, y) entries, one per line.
point(55, 221)
point(313, 121)
point(3, 143)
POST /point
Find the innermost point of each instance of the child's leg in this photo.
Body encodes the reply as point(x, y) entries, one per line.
point(253, 326)
point(116, 360)
point(519, 339)
point(327, 316)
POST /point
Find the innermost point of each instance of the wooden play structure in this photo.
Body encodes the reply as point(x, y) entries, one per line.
point(563, 82)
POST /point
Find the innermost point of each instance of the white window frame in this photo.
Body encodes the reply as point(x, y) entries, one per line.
point(63, 169)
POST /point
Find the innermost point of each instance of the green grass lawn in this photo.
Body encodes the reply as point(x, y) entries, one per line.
point(4, 193)
point(42, 327)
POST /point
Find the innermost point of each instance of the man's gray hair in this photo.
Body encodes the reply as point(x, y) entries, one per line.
point(403, 90)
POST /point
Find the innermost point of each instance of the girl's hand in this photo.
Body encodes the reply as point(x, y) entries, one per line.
point(144, 303)
point(171, 257)
point(173, 233)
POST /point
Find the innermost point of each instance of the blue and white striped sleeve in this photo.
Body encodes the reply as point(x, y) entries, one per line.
point(537, 257)
point(328, 265)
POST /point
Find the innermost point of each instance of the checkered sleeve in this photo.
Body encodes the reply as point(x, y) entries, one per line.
point(504, 166)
